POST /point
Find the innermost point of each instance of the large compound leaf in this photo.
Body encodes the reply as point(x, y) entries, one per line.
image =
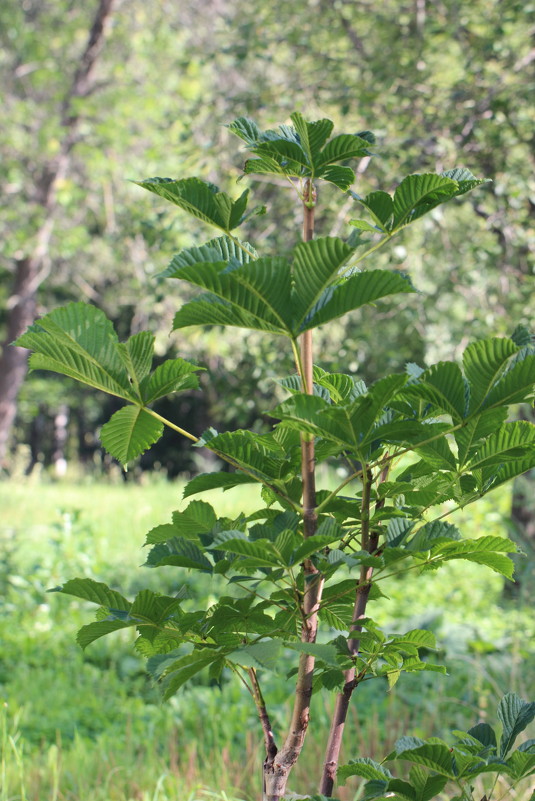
point(79, 341)
point(302, 150)
point(129, 433)
point(201, 199)
point(415, 196)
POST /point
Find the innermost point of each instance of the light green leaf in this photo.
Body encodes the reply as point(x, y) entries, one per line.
point(515, 714)
point(487, 550)
point(208, 309)
point(93, 631)
point(263, 654)
point(174, 375)
point(443, 386)
point(94, 591)
point(201, 199)
point(326, 652)
point(341, 177)
point(244, 296)
point(129, 433)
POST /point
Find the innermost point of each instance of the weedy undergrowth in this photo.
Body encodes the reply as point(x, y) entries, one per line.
point(303, 570)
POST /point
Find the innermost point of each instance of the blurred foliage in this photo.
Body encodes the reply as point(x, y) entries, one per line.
point(454, 88)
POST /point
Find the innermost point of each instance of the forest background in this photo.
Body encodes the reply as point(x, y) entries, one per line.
point(441, 84)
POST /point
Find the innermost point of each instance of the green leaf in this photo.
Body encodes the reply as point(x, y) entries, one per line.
point(436, 756)
point(185, 668)
point(315, 265)
point(260, 553)
point(180, 552)
point(136, 354)
point(260, 455)
point(364, 767)
point(93, 631)
point(521, 764)
point(94, 591)
point(79, 341)
point(326, 652)
point(354, 292)
point(219, 249)
point(484, 733)
point(208, 481)
point(487, 550)
point(129, 433)
point(201, 199)
point(341, 148)
point(478, 428)
point(341, 177)
point(432, 533)
point(380, 206)
point(443, 386)
point(243, 296)
point(263, 654)
point(511, 442)
point(418, 194)
point(484, 362)
point(516, 386)
point(246, 129)
point(515, 714)
point(312, 135)
point(174, 375)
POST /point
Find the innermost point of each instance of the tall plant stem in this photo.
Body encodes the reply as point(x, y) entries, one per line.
point(277, 769)
point(334, 743)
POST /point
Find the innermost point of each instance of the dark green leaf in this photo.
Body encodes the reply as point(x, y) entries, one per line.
point(515, 714)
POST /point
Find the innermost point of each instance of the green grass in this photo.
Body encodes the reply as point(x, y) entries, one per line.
point(90, 726)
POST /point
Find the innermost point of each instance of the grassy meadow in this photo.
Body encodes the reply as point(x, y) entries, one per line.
point(90, 726)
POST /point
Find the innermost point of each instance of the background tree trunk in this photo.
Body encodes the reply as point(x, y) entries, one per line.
point(31, 270)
